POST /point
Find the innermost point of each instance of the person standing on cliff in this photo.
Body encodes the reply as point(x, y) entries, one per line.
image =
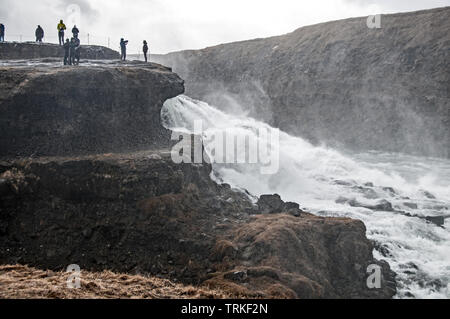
point(66, 52)
point(39, 34)
point(72, 46)
point(77, 50)
point(2, 32)
point(145, 50)
point(75, 31)
point(61, 27)
point(123, 49)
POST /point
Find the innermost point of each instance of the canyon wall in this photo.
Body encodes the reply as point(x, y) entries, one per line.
point(339, 83)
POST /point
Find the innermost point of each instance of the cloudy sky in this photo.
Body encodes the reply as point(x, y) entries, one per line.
point(171, 25)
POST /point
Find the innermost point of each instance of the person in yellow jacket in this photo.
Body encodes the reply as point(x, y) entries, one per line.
point(61, 27)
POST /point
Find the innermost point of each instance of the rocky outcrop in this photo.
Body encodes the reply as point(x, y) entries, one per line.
point(273, 204)
point(33, 50)
point(141, 213)
point(338, 82)
point(48, 109)
point(306, 257)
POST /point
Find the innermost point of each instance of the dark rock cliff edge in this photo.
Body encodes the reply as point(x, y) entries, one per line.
point(339, 82)
point(102, 107)
point(86, 178)
point(33, 50)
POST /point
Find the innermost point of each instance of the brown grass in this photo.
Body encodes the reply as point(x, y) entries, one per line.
point(22, 282)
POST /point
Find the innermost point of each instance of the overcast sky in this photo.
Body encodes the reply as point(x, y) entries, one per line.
point(172, 25)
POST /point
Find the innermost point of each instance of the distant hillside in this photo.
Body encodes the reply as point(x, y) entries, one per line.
point(338, 82)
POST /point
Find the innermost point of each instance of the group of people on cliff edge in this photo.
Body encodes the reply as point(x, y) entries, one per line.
point(123, 49)
point(61, 27)
point(72, 47)
point(72, 52)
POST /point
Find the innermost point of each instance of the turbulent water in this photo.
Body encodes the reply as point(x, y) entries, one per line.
point(395, 195)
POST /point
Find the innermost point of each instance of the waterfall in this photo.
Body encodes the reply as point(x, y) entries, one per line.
point(395, 195)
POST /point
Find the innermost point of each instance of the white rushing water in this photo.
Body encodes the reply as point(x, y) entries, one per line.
point(330, 183)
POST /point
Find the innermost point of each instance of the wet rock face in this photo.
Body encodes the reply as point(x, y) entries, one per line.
point(48, 109)
point(32, 50)
point(338, 82)
point(141, 213)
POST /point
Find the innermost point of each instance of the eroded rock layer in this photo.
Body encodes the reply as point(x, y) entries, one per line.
point(141, 213)
point(97, 107)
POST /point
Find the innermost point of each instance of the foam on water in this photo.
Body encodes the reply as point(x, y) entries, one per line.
point(326, 182)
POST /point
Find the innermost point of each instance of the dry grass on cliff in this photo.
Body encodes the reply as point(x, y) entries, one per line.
point(21, 282)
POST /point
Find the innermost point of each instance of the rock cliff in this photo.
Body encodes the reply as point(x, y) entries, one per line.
point(98, 107)
point(33, 50)
point(338, 82)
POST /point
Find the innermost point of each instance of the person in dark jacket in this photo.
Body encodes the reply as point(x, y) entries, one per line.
point(72, 47)
point(39, 34)
point(67, 52)
point(2, 32)
point(61, 28)
point(145, 50)
point(123, 49)
point(77, 50)
point(75, 31)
